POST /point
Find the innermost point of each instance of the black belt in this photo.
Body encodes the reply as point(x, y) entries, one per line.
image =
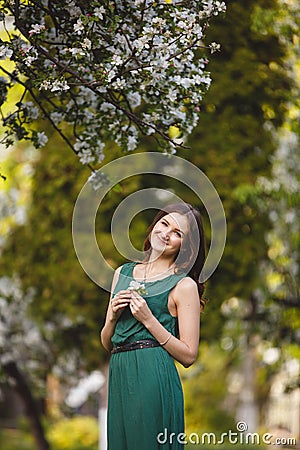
point(143, 343)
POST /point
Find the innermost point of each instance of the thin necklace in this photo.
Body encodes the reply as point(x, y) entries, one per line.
point(145, 272)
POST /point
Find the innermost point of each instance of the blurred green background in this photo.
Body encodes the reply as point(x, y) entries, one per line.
point(247, 143)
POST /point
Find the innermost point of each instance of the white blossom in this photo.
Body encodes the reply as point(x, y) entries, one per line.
point(57, 117)
point(98, 12)
point(77, 52)
point(221, 7)
point(172, 94)
point(119, 83)
point(42, 139)
point(106, 107)
point(78, 27)
point(97, 180)
point(36, 29)
point(86, 44)
point(45, 85)
point(131, 143)
point(5, 52)
point(58, 86)
point(117, 60)
point(134, 99)
point(29, 60)
point(214, 47)
point(74, 10)
point(31, 110)
point(137, 286)
point(111, 75)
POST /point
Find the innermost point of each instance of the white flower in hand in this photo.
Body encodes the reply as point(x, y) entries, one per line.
point(137, 286)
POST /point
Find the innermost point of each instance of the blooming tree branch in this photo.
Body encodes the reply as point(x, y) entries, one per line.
point(104, 71)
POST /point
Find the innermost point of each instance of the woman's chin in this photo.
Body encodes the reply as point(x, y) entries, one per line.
point(159, 250)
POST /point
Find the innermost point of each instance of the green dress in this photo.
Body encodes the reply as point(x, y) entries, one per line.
point(145, 403)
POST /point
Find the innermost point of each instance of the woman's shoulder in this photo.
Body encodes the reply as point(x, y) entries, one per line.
point(186, 287)
point(125, 268)
point(125, 271)
point(187, 283)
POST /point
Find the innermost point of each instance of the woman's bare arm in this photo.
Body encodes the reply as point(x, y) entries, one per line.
point(111, 319)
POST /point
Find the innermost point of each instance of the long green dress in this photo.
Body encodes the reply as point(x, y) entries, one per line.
point(145, 403)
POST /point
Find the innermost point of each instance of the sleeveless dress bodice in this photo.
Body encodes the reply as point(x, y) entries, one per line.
point(129, 329)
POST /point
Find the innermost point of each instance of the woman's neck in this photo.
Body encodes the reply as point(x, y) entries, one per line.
point(158, 265)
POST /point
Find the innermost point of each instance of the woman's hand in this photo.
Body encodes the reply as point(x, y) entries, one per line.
point(139, 308)
point(119, 303)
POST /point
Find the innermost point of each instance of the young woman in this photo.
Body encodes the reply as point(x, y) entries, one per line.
point(153, 317)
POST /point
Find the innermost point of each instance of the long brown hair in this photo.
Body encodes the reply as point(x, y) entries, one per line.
point(191, 256)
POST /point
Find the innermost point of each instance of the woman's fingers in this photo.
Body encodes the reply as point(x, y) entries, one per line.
point(136, 297)
point(119, 302)
point(121, 296)
point(135, 301)
point(137, 304)
point(123, 293)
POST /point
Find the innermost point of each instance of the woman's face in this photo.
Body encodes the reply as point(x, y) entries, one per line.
point(168, 234)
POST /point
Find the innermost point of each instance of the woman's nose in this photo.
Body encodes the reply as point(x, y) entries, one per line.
point(165, 234)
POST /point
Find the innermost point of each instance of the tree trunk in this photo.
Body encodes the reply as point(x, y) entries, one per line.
point(31, 409)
